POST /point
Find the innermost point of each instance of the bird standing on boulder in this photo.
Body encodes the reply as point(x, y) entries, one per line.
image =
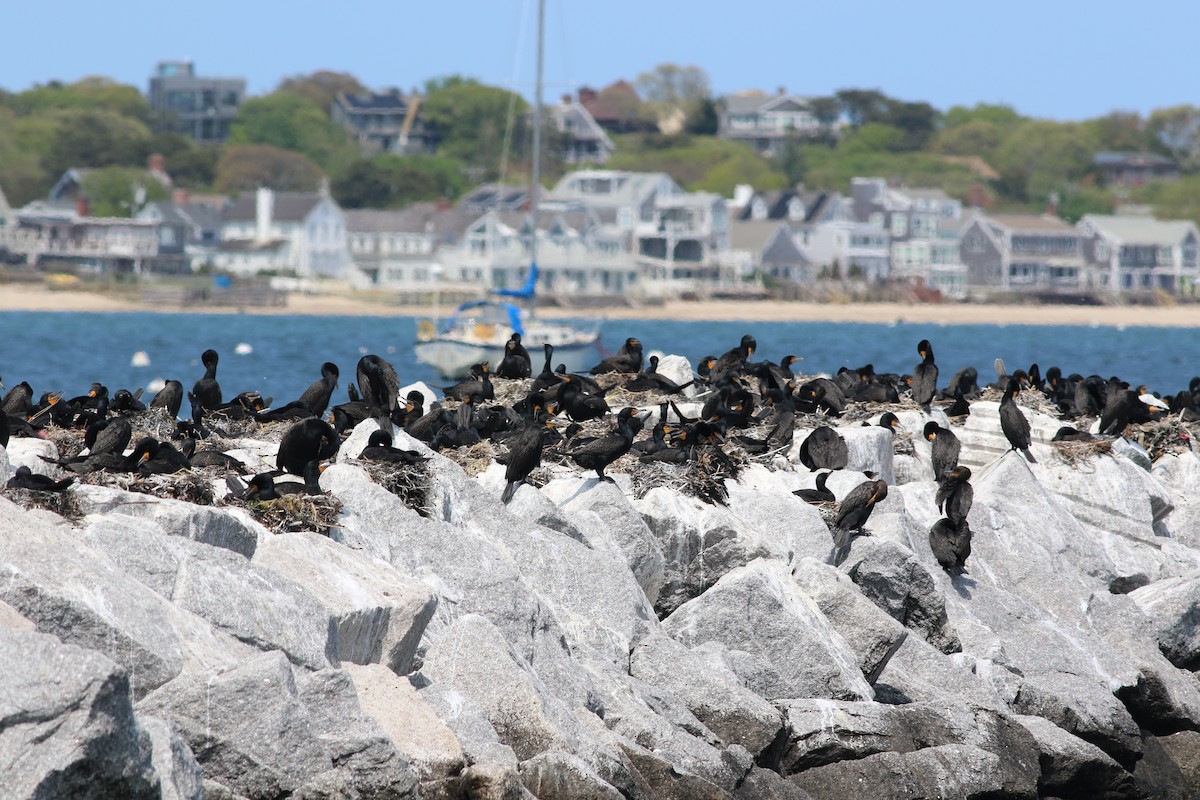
point(516, 363)
point(599, 454)
point(852, 514)
point(627, 359)
point(925, 375)
point(955, 495)
point(316, 397)
point(1013, 423)
point(206, 392)
point(308, 440)
point(951, 544)
point(824, 448)
point(945, 449)
point(525, 455)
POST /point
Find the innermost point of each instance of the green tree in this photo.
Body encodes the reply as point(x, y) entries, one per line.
point(21, 173)
point(699, 163)
point(248, 167)
point(93, 93)
point(918, 121)
point(390, 181)
point(1175, 199)
point(999, 115)
point(321, 87)
point(978, 137)
point(673, 86)
point(1120, 130)
point(874, 137)
point(827, 110)
point(290, 122)
point(1039, 156)
point(469, 120)
point(120, 191)
point(791, 158)
point(702, 121)
point(1176, 132)
point(1077, 199)
point(94, 138)
point(863, 106)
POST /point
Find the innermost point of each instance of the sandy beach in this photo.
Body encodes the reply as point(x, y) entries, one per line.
point(22, 297)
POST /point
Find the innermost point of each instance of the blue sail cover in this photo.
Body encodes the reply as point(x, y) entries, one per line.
point(525, 291)
point(514, 314)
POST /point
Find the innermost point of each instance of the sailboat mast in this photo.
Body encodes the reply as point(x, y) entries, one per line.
point(536, 176)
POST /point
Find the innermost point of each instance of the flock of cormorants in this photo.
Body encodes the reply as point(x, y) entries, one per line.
point(554, 412)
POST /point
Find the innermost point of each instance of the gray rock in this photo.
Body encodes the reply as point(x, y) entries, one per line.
point(68, 724)
point(1171, 767)
point(872, 634)
point(1073, 768)
point(178, 771)
point(248, 728)
point(918, 672)
point(656, 777)
point(361, 750)
point(953, 770)
point(607, 520)
point(33, 453)
point(1075, 704)
point(490, 782)
point(227, 528)
point(702, 679)
point(379, 613)
point(1172, 607)
point(765, 784)
point(780, 643)
point(79, 594)
point(468, 722)
point(409, 721)
point(562, 776)
point(890, 576)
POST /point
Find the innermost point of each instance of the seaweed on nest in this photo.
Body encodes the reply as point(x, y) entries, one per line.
point(703, 477)
point(474, 459)
point(1163, 437)
point(64, 504)
point(412, 484)
point(186, 486)
point(1077, 453)
point(69, 442)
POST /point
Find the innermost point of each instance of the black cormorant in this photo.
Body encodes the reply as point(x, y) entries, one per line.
point(308, 440)
point(824, 448)
point(945, 449)
point(206, 392)
point(515, 363)
point(819, 494)
point(599, 454)
point(525, 455)
point(25, 478)
point(316, 397)
point(1013, 423)
point(852, 514)
point(925, 374)
point(627, 359)
point(951, 544)
point(955, 495)
point(380, 387)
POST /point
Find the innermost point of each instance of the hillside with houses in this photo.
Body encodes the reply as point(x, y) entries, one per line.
point(753, 194)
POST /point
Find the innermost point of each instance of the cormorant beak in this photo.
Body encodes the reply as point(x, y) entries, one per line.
point(922, 353)
point(931, 436)
point(91, 392)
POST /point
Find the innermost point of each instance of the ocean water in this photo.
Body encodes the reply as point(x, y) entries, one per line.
point(68, 351)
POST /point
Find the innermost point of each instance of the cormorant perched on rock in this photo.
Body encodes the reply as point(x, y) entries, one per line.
point(125, 401)
point(379, 448)
point(25, 478)
point(578, 406)
point(924, 381)
point(546, 378)
point(734, 360)
point(824, 448)
point(821, 394)
point(109, 435)
point(158, 458)
point(819, 494)
point(515, 363)
point(955, 495)
point(652, 381)
point(478, 389)
point(599, 454)
point(316, 397)
point(263, 486)
point(210, 458)
point(525, 455)
point(945, 450)
point(951, 544)
point(380, 387)
point(1125, 407)
point(852, 514)
point(206, 392)
point(1013, 422)
point(963, 384)
point(18, 400)
point(308, 440)
point(627, 359)
point(890, 421)
point(1068, 434)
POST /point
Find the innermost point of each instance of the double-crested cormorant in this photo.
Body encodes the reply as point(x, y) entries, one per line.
point(478, 389)
point(578, 406)
point(525, 455)
point(890, 421)
point(158, 458)
point(734, 360)
point(1013, 423)
point(18, 400)
point(599, 454)
point(627, 359)
point(852, 514)
point(316, 397)
point(924, 381)
point(206, 392)
point(515, 363)
point(125, 401)
point(819, 494)
point(951, 544)
point(379, 448)
point(110, 435)
point(210, 458)
point(26, 478)
point(308, 440)
point(380, 387)
point(652, 381)
point(824, 448)
point(169, 397)
point(1068, 434)
point(945, 449)
point(955, 495)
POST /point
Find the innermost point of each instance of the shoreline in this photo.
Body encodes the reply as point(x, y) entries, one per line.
point(17, 297)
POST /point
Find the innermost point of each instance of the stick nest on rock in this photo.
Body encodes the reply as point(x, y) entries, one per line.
point(412, 484)
point(296, 512)
point(1077, 453)
point(1164, 437)
point(62, 503)
point(703, 477)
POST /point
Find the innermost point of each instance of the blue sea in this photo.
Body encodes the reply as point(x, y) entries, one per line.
point(283, 354)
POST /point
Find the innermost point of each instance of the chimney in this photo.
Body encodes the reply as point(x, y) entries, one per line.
point(83, 208)
point(264, 208)
point(156, 163)
point(180, 197)
point(566, 99)
point(443, 205)
point(586, 95)
point(781, 91)
point(1052, 204)
point(976, 198)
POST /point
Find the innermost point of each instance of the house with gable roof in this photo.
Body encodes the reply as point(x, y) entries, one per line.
point(1140, 254)
point(617, 108)
point(383, 122)
point(1036, 254)
point(581, 137)
point(765, 121)
point(299, 232)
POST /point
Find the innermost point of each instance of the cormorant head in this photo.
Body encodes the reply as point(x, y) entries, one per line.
point(931, 430)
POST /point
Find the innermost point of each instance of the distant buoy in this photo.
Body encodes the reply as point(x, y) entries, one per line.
point(243, 349)
point(363, 350)
point(391, 350)
point(156, 385)
point(140, 359)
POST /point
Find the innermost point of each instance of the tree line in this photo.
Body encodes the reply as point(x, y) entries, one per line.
point(286, 140)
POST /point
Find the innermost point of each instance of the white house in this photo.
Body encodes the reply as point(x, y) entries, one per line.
point(303, 233)
point(1127, 253)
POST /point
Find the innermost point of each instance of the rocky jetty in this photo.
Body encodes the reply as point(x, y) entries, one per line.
point(613, 640)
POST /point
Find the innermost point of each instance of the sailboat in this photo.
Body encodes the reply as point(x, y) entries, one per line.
point(478, 330)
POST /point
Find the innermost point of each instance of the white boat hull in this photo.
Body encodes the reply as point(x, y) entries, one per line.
point(453, 357)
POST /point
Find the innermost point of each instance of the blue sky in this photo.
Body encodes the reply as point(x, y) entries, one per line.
point(1056, 59)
